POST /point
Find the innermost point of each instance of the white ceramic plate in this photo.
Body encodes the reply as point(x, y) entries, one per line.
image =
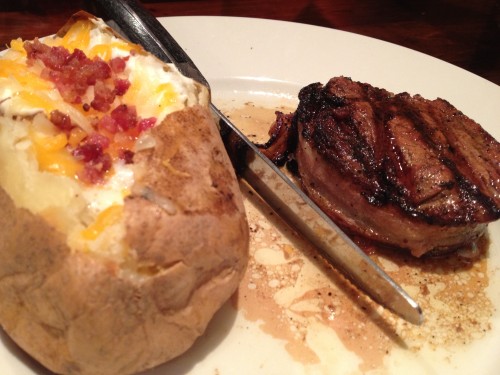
point(293, 314)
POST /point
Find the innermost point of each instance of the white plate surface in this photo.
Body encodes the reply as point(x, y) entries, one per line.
point(267, 62)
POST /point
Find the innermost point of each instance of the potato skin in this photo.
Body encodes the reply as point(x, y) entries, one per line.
point(79, 313)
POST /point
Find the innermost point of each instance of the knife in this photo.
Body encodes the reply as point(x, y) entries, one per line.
point(135, 23)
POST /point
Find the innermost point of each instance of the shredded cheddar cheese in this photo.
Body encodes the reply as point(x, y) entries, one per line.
point(17, 45)
point(28, 79)
point(37, 101)
point(166, 93)
point(105, 51)
point(106, 218)
point(76, 136)
point(50, 144)
point(78, 36)
point(59, 162)
point(52, 156)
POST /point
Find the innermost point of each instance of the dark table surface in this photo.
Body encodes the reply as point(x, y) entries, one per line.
point(462, 32)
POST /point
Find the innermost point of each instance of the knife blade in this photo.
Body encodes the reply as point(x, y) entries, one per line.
point(135, 23)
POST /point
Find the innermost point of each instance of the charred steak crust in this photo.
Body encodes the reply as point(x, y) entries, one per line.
point(399, 169)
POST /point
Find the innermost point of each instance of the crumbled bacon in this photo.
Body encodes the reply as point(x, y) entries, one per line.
point(73, 74)
point(125, 117)
point(127, 156)
point(104, 96)
point(61, 121)
point(146, 123)
point(95, 170)
point(121, 86)
point(88, 152)
point(118, 64)
point(96, 161)
point(52, 57)
point(107, 124)
point(98, 139)
point(93, 71)
point(121, 119)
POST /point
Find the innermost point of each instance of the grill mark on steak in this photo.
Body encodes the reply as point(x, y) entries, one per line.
point(421, 162)
point(436, 122)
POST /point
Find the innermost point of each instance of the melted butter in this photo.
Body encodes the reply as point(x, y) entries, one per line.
point(298, 298)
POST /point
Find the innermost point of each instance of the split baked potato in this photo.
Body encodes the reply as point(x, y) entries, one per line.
point(122, 227)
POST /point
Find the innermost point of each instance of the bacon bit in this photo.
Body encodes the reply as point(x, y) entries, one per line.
point(52, 57)
point(87, 152)
point(92, 70)
point(94, 171)
point(125, 117)
point(118, 64)
point(61, 121)
point(146, 123)
point(107, 124)
point(98, 139)
point(127, 156)
point(96, 161)
point(104, 96)
point(121, 86)
point(91, 148)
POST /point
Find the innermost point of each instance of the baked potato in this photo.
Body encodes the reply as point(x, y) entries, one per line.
point(122, 227)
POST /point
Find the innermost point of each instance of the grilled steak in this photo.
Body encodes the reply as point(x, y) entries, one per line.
point(398, 169)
